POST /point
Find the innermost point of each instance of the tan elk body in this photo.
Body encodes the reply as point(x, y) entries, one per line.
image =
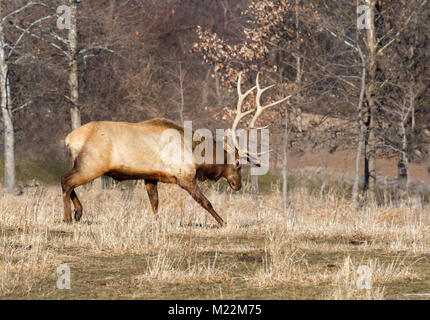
point(126, 151)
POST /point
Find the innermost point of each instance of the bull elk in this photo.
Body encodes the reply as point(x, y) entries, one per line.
point(126, 151)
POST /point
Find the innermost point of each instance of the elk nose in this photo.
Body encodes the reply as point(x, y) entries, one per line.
point(235, 186)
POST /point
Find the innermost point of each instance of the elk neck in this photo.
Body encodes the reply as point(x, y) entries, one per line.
point(210, 172)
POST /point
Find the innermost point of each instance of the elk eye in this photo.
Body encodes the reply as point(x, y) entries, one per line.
point(237, 163)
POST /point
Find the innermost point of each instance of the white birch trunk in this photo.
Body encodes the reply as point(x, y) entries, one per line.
point(285, 163)
point(75, 112)
point(362, 129)
point(405, 144)
point(299, 70)
point(405, 149)
point(371, 44)
point(8, 130)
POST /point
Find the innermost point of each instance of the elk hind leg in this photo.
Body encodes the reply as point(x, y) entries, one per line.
point(151, 188)
point(71, 180)
point(67, 188)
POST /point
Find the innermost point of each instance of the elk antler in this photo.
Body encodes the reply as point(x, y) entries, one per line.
point(240, 101)
point(261, 109)
point(258, 112)
point(239, 114)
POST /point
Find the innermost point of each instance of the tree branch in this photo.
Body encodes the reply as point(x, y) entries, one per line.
point(27, 31)
point(30, 4)
point(21, 107)
point(41, 38)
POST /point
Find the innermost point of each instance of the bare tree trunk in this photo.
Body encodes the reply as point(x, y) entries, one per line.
point(219, 97)
point(299, 116)
point(370, 154)
point(285, 162)
point(412, 111)
point(205, 89)
point(405, 159)
point(224, 5)
point(8, 131)
point(361, 125)
point(298, 69)
point(357, 165)
point(297, 113)
point(404, 118)
point(75, 112)
point(255, 189)
point(181, 74)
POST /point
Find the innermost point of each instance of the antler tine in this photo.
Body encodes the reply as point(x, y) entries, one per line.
point(260, 108)
point(239, 90)
point(259, 153)
point(240, 101)
point(239, 114)
point(262, 128)
point(260, 91)
point(276, 102)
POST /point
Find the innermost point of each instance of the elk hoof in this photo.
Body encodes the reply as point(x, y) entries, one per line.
point(68, 221)
point(78, 215)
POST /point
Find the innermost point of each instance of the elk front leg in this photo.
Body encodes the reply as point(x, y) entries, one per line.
point(151, 188)
point(194, 190)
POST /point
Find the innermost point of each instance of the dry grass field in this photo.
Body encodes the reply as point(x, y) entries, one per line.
point(121, 251)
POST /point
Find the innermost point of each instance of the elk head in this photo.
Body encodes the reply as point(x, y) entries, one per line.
point(232, 172)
